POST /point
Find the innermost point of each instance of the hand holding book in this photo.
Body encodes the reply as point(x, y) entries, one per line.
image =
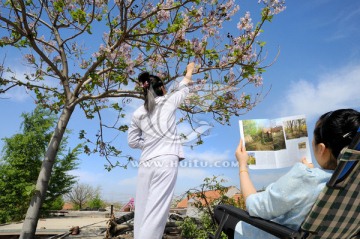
point(242, 156)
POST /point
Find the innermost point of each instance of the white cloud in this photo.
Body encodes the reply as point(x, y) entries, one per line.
point(130, 109)
point(108, 181)
point(333, 90)
point(195, 174)
point(128, 182)
point(189, 178)
point(345, 23)
point(17, 94)
point(20, 93)
point(209, 156)
point(87, 177)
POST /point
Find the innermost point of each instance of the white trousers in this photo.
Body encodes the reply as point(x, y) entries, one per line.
point(155, 188)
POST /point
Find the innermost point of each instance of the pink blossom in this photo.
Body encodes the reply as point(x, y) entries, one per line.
point(276, 6)
point(49, 48)
point(140, 58)
point(233, 11)
point(245, 23)
point(143, 14)
point(210, 31)
point(163, 15)
point(31, 25)
point(124, 51)
point(84, 64)
point(225, 60)
point(230, 5)
point(155, 61)
point(256, 79)
point(149, 7)
point(199, 13)
point(130, 68)
point(71, 6)
point(30, 58)
point(180, 34)
point(162, 74)
point(57, 59)
point(231, 75)
point(168, 3)
point(197, 46)
point(99, 3)
point(5, 39)
point(243, 100)
point(96, 54)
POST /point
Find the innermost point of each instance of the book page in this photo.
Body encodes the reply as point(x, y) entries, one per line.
point(256, 135)
point(296, 149)
point(275, 143)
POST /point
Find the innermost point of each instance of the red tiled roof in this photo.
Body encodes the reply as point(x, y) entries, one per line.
point(210, 196)
point(68, 206)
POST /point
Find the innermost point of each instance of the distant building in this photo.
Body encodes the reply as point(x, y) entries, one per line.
point(211, 195)
point(128, 207)
point(68, 206)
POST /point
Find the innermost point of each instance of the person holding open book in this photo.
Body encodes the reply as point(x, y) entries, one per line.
point(288, 200)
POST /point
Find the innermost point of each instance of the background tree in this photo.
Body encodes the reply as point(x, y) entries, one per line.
point(97, 202)
point(250, 127)
point(21, 162)
point(194, 228)
point(70, 71)
point(61, 182)
point(82, 194)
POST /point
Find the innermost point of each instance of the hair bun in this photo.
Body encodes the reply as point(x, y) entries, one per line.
point(144, 76)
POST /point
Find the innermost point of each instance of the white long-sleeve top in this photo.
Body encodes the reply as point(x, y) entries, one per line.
point(156, 134)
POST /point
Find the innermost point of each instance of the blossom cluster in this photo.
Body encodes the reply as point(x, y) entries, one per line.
point(159, 36)
point(245, 23)
point(276, 6)
point(30, 58)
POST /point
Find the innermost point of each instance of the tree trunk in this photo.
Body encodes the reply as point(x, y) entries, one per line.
point(32, 215)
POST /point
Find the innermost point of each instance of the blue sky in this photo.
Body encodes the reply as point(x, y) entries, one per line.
point(317, 70)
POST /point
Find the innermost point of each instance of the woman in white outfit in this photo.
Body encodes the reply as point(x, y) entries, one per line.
point(153, 130)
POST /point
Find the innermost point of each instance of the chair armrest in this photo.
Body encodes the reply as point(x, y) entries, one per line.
point(265, 225)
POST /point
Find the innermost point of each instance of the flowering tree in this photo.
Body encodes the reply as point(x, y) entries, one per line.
point(82, 53)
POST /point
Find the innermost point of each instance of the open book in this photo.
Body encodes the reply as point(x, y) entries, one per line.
point(275, 143)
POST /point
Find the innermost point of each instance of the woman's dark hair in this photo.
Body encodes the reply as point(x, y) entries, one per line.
point(336, 129)
point(152, 88)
